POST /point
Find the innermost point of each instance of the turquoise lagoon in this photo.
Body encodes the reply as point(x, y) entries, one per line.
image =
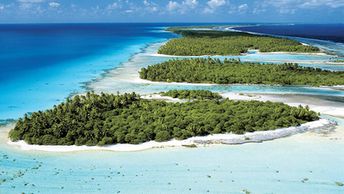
point(304, 163)
point(121, 79)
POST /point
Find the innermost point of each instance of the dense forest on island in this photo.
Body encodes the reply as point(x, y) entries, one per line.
point(192, 94)
point(211, 42)
point(103, 119)
point(208, 70)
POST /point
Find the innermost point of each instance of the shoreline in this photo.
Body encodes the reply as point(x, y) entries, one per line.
point(144, 81)
point(322, 106)
point(295, 53)
point(314, 61)
point(325, 51)
point(327, 109)
point(148, 145)
point(126, 74)
point(242, 54)
point(121, 66)
point(334, 63)
point(227, 139)
point(321, 52)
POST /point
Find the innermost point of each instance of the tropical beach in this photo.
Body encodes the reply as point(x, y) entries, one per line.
point(126, 79)
point(228, 139)
point(169, 107)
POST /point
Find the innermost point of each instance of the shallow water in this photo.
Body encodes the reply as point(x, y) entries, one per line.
point(305, 163)
point(126, 79)
point(280, 166)
point(42, 64)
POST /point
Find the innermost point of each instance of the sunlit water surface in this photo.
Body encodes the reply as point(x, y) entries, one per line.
point(305, 163)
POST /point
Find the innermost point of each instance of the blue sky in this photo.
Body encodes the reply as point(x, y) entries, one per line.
point(272, 11)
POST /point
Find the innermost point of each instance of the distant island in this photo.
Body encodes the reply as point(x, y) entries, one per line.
point(215, 71)
point(338, 61)
point(106, 119)
point(211, 42)
point(109, 119)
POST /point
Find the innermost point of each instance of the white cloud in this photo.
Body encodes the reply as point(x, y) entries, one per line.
point(2, 7)
point(238, 9)
point(213, 5)
point(259, 10)
point(183, 6)
point(112, 6)
point(318, 3)
point(31, 5)
point(291, 6)
point(25, 6)
point(151, 7)
point(30, 1)
point(216, 3)
point(190, 3)
point(54, 4)
point(172, 5)
point(242, 8)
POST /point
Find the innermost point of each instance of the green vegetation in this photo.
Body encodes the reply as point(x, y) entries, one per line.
point(110, 119)
point(338, 61)
point(304, 180)
point(192, 94)
point(209, 42)
point(245, 191)
point(340, 184)
point(236, 72)
point(191, 146)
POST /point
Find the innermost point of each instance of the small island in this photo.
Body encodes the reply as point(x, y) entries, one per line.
point(108, 119)
point(215, 71)
point(211, 42)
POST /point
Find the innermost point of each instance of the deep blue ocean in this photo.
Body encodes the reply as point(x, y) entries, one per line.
point(333, 32)
point(42, 64)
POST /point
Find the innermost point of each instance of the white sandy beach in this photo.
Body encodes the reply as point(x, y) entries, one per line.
point(294, 53)
point(138, 80)
point(128, 74)
point(334, 63)
point(315, 104)
point(158, 45)
point(229, 139)
point(258, 52)
point(320, 61)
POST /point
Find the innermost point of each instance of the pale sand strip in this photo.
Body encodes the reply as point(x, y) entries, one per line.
point(333, 109)
point(261, 53)
point(316, 105)
point(254, 137)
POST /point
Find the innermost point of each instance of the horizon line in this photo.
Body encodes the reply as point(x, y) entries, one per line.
point(290, 23)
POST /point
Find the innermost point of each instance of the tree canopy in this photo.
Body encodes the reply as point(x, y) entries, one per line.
point(201, 70)
point(94, 119)
point(211, 42)
point(192, 94)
